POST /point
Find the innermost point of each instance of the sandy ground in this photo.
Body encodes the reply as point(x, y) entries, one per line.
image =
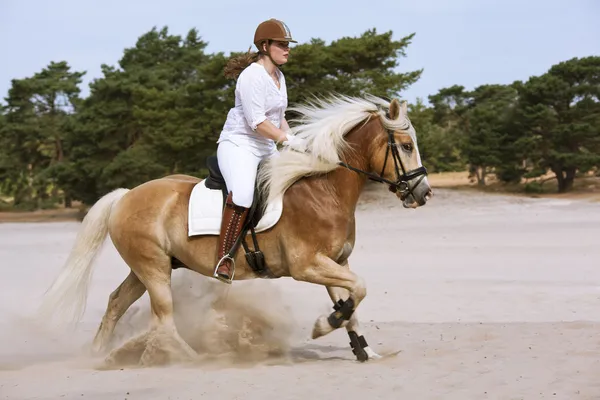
point(471, 297)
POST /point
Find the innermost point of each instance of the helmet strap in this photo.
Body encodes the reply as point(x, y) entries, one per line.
point(268, 53)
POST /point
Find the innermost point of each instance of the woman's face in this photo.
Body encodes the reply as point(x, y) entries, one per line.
point(280, 52)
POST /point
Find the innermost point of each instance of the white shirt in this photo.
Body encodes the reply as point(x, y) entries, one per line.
point(257, 98)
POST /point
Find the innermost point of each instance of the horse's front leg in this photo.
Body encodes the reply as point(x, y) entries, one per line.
point(322, 270)
point(358, 343)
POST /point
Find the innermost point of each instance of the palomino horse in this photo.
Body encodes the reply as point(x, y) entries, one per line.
point(348, 139)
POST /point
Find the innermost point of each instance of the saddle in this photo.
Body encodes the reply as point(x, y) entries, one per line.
point(255, 258)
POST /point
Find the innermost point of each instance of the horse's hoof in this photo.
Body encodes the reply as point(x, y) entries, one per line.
point(361, 348)
point(321, 327)
point(361, 355)
point(366, 354)
point(371, 354)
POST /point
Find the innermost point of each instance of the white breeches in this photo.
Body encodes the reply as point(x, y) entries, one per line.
point(239, 168)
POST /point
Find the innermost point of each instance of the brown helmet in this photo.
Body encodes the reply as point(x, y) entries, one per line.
point(272, 29)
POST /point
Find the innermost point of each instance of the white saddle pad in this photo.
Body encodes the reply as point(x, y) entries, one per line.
point(205, 212)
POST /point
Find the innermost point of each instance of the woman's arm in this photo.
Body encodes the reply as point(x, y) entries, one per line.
point(253, 92)
point(267, 129)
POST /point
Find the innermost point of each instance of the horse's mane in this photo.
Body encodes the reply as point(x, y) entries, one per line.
point(322, 124)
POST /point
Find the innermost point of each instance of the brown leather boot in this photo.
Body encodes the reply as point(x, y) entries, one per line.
point(234, 217)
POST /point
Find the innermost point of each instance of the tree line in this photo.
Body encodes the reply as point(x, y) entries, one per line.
point(161, 109)
point(549, 123)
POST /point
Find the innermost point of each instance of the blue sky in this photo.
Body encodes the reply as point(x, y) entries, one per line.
point(466, 42)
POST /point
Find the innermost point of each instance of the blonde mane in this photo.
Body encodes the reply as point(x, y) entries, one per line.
point(322, 126)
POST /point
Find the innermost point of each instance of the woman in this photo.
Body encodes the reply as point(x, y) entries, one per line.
point(253, 128)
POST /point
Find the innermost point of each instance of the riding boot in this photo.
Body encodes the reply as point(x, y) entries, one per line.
point(234, 217)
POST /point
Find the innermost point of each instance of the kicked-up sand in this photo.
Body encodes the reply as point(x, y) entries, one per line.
point(470, 297)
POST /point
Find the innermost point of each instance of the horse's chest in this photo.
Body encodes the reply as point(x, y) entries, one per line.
point(342, 241)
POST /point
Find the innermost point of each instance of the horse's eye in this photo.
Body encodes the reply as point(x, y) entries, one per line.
point(407, 147)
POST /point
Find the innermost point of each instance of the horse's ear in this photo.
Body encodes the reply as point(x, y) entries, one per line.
point(404, 108)
point(394, 109)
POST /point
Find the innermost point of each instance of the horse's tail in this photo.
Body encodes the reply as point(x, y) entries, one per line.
point(68, 294)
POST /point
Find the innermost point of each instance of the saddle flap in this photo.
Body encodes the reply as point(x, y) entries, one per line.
point(215, 178)
point(205, 211)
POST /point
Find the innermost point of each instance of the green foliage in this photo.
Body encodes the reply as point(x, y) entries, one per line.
point(522, 130)
point(158, 114)
point(352, 66)
point(560, 111)
point(488, 143)
point(37, 119)
point(161, 110)
point(534, 187)
point(438, 145)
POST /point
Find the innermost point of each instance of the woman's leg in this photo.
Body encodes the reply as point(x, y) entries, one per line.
point(239, 168)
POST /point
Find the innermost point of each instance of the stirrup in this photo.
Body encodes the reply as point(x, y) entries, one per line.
point(221, 277)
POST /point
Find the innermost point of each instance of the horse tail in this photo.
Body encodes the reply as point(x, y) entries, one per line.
point(67, 295)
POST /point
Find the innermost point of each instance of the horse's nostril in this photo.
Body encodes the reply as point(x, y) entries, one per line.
point(429, 194)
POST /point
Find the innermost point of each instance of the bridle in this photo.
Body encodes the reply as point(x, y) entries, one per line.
point(402, 180)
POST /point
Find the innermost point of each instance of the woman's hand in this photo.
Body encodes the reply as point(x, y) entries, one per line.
point(295, 143)
point(267, 129)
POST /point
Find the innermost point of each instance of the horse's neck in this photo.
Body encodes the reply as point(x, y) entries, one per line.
point(336, 193)
point(347, 185)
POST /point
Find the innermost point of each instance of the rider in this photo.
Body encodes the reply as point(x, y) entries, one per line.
point(253, 128)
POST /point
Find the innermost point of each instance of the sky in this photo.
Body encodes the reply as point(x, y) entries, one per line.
point(464, 42)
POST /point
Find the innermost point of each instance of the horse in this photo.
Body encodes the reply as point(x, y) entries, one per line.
point(349, 140)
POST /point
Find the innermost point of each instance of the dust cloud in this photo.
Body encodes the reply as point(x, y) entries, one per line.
point(240, 323)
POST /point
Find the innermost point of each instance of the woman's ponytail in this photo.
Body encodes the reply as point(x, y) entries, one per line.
point(235, 65)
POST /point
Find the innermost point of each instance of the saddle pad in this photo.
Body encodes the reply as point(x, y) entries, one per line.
point(205, 211)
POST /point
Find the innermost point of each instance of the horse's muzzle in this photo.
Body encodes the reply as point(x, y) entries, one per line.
point(417, 196)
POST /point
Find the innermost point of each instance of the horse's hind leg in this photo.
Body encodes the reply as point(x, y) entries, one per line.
point(153, 269)
point(163, 323)
point(359, 345)
point(119, 301)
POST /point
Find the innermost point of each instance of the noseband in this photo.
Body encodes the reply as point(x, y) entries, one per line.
point(402, 180)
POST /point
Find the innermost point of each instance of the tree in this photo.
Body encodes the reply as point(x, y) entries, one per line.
point(449, 106)
point(158, 114)
point(162, 110)
point(448, 115)
point(38, 114)
point(477, 121)
point(350, 65)
point(561, 109)
point(487, 147)
point(437, 146)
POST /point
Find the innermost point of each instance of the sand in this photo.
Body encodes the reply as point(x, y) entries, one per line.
point(472, 297)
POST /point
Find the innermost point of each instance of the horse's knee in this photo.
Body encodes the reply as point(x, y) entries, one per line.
point(359, 291)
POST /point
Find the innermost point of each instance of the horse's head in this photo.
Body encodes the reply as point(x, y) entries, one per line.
point(396, 158)
point(354, 133)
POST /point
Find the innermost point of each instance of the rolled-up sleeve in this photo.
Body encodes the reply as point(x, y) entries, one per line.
point(252, 90)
